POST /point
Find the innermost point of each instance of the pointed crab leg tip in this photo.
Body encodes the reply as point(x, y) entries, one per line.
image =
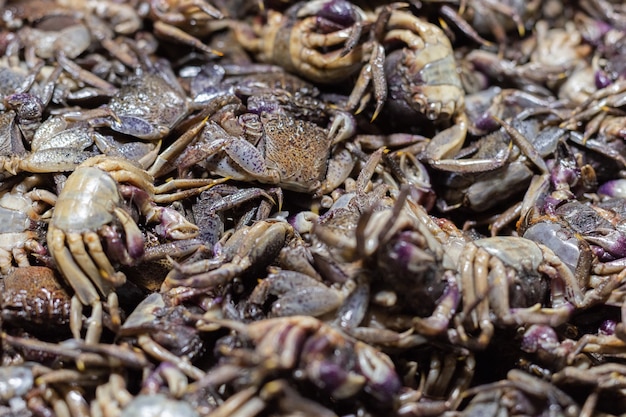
point(376, 112)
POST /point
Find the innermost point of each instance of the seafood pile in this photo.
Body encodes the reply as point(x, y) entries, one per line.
point(315, 208)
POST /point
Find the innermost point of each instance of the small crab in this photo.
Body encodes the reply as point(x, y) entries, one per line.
point(413, 252)
point(554, 54)
point(305, 343)
point(56, 146)
point(157, 405)
point(90, 207)
point(147, 107)
point(514, 278)
point(248, 248)
point(162, 329)
point(519, 394)
point(484, 17)
point(421, 75)
point(21, 209)
point(214, 206)
point(33, 295)
point(314, 39)
point(270, 145)
point(298, 294)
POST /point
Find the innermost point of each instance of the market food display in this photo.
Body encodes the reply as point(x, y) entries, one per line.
point(322, 208)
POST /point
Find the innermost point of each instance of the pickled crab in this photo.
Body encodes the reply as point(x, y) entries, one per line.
point(267, 144)
point(21, 209)
point(33, 295)
point(318, 40)
point(147, 107)
point(163, 330)
point(246, 249)
point(304, 343)
point(90, 207)
point(421, 76)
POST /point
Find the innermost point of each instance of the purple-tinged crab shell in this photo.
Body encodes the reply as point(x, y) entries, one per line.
point(539, 337)
point(613, 188)
point(602, 79)
point(559, 239)
point(339, 11)
point(607, 327)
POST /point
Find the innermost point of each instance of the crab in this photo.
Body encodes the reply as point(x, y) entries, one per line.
point(161, 328)
point(147, 107)
point(554, 55)
point(405, 245)
point(268, 144)
point(22, 208)
point(90, 208)
point(520, 393)
point(298, 294)
point(56, 146)
point(34, 295)
point(193, 16)
point(318, 40)
point(304, 343)
point(513, 278)
point(421, 76)
point(502, 164)
point(212, 208)
point(246, 249)
point(483, 17)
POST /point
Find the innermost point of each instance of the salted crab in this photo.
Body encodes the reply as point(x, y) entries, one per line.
point(421, 75)
point(266, 143)
point(147, 107)
point(477, 18)
point(306, 343)
point(248, 248)
point(90, 208)
point(164, 331)
point(22, 208)
point(318, 40)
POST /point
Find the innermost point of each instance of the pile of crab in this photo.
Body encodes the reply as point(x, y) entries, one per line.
point(315, 208)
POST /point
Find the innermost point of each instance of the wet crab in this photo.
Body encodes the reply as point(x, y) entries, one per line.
point(147, 107)
point(81, 219)
point(313, 39)
point(33, 295)
point(405, 245)
point(421, 75)
point(524, 393)
point(247, 249)
point(298, 294)
point(269, 144)
point(302, 342)
point(553, 55)
point(21, 209)
point(484, 17)
point(56, 146)
point(164, 331)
